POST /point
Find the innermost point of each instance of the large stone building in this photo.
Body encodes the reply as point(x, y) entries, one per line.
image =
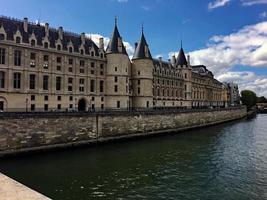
point(43, 69)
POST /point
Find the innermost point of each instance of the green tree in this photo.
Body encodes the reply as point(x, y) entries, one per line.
point(248, 98)
point(262, 99)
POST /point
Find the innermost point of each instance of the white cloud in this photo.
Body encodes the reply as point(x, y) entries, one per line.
point(246, 80)
point(146, 8)
point(122, 1)
point(217, 4)
point(263, 15)
point(253, 2)
point(95, 38)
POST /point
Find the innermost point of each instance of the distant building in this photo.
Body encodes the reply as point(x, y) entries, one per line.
point(43, 69)
point(233, 97)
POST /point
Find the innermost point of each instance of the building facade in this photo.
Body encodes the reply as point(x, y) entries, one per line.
point(44, 69)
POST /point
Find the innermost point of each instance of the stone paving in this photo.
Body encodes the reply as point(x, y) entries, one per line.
point(13, 190)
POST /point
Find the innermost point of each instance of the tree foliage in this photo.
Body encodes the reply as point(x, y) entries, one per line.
point(249, 98)
point(262, 99)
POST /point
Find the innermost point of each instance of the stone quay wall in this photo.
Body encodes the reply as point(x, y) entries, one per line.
point(31, 132)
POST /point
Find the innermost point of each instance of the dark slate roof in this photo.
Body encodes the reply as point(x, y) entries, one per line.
point(113, 43)
point(201, 69)
point(181, 60)
point(12, 25)
point(139, 52)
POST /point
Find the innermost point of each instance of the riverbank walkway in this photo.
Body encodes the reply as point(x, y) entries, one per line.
point(13, 190)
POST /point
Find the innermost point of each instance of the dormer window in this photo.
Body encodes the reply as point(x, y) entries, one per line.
point(18, 40)
point(2, 36)
point(82, 51)
point(101, 55)
point(33, 43)
point(70, 49)
point(59, 47)
point(46, 45)
point(92, 53)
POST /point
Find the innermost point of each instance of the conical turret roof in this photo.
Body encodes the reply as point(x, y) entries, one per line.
point(113, 43)
point(142, 51)
point(181, 59)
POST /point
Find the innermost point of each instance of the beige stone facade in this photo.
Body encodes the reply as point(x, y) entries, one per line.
point(44, 69)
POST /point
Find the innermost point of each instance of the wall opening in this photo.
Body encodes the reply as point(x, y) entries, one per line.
point(82, 105)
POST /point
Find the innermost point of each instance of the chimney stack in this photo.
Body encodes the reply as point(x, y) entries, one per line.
point(25, 24)
point(83, 38)
point(60, 33)
point(101, 43)
point(47, 29)
point(135, 45)
point(188, 59)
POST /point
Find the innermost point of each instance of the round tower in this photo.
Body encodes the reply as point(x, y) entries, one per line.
point(117, 74)
point(142, 75)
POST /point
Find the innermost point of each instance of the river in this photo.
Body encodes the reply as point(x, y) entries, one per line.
point(227, 161)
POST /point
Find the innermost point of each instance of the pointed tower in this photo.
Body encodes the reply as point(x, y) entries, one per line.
point(186, 71)
point(142, 75)
point(118, 73)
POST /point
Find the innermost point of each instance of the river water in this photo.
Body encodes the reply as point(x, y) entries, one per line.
point(228, 161)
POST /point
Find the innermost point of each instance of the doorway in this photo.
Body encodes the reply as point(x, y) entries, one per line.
point(82, 105)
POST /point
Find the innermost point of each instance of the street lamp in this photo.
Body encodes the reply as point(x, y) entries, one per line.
point(27, 104)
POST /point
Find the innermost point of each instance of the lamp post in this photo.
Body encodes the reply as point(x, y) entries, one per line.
point(75, 100)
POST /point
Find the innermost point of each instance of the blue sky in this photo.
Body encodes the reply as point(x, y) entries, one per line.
point(205, 26)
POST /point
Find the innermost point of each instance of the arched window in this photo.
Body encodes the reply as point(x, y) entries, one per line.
point(18, 40)
point(46, 45)
point(2, 36)
point(32, 42)
point(92, 53)
point(58, 47)
point(82, 51)
point(70, 49)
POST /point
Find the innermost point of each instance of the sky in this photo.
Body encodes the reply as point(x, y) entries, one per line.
point(228, 36)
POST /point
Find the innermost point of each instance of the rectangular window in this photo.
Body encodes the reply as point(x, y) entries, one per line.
point(115, 88)
point(33, 55)
point(102, 66)
point(81, 88)
point(82, 70)
point(118, 104)
point(17, 80)
point(46, 98)
point(82, 63)
point(32, 81)
point(32, 107)
point(92, 64)
point(59, 106)
point(115, 79)
point(58, 68)
point(70, 80)
point(71, 98)
point(101, 89)
point(2, 56)
point(46, 107)
point(32, 97)
point(70, 88)
point(92, 71)
point(70, 69)
point(58, 83)
point(59, 98)
point(2, 79)
point(92, 86)
point(81, 81)
point(46, 58)
point(58, 59)
point(138, 90)
point(17, 58)
point(70, 61)
point(45, 82)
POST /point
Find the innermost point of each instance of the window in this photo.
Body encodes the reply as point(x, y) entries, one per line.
point(32, 97)
point(2, 56)
point(71, 98)
point(82, 70)
point(101, 89)
point(115, 79)
point(93, 98)
point(18, 40)
point(101, 55)
point(58, 68)
point(115, 88)
point(92, 71)
point(58, 59)
point(70, 49)
point(32, 107)
point(59, 98)
point(17, 80)
point(82, 63)
point(70, 80)
point(138, 82)
point(46, 107)
point(92, 53)
point(102, 106)
point(32, 81)
point(32, 56)
point(70, 105)
point(58, 47)
point(17, 57)
point(118, 104)
point(138, 90)
point(59, 106)
point(46, 58)
point(70, 61)
point(116, 69)
point(102, 98)
point(92, 64)
point(81, 81)
point(58, 83)
point(2, 36)
point(92, 86)
point(81, 88)
point(147, 104)
point(2, 79)
point(33, 43)
point(82, 51)
point(46, 45)
point(45, 82)
point(185, 75)
point(138, 72)
point(70, 69)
